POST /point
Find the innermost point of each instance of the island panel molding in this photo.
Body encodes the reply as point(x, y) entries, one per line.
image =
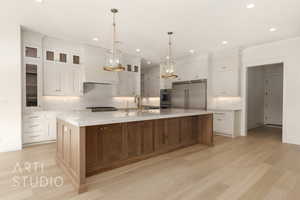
point(85, 151)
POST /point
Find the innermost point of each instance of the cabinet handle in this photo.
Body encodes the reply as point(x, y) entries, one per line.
point(35, 117)
point(34, 136)
point(34, 126)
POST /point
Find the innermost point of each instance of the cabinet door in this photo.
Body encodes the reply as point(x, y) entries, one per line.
point(113, 149)
point(77, 81)
point(72, 81)
point(127, 84)
point(173, 132)
point(225, 83)
point(188, 130)
point(31, 84)
point(205, 125)
point(161, 138)
point(94, 147)
point(32, 51)
point(52, 80)
point(148, 137)
point(134, 131)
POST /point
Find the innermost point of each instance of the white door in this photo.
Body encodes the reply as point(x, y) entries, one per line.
point(274, 98)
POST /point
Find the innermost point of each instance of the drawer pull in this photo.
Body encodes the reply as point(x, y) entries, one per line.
point(34, 136)
point(34, 126)
point(34, 117)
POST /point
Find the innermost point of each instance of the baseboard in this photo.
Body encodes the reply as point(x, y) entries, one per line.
point(273, 125)
point(38, 143)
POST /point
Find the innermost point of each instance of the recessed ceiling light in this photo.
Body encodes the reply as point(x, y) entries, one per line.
point(39, 1)
point(250, 5)
point(192, 51)
point(272, 29)
point(167, 57)
point(225, 42)
point(138, 50)
point(149, 62)
point(96, 39)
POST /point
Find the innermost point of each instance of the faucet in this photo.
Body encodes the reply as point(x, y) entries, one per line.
point(138, 101)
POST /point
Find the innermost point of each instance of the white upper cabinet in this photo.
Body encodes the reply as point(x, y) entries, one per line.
point(127, 84)
point(192, 67)
point(94, 60)
point(63, 74)
point(32, 70)
point(150, 82)
point(226, 73)
point(129, 80)
point(62, 80)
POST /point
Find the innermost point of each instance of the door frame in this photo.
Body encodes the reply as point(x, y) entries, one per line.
point(244, 94)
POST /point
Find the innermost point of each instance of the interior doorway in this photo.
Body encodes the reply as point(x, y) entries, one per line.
point(265, 100)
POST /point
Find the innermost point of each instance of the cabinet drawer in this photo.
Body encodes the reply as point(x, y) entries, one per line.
point(31, 118)
point(33, 133)
point(37, 137)
point(33, 127)
point(223, 122)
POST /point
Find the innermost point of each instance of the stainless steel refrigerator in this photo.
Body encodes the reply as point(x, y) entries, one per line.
point(190, 94)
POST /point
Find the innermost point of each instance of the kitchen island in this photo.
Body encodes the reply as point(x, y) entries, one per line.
point(92, 142)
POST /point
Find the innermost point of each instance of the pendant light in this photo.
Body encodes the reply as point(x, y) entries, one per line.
point(113, 63)
point(168, 66)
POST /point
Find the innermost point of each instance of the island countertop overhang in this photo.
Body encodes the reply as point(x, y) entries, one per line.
point(87, 118)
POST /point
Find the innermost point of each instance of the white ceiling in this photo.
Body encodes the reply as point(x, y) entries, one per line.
point(198, 24)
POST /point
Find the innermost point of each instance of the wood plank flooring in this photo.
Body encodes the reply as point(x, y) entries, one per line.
point(246, 168)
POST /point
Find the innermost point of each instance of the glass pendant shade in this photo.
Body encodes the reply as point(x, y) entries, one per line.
point(168, 67)
point(113, 62)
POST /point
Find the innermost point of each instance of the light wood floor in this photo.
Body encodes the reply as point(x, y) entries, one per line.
point(248, 168)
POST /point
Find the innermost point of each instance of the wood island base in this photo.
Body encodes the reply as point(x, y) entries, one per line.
point(85, 151)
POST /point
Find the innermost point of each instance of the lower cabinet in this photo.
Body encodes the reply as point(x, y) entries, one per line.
point(110, 146)
point(38, 127)
point(173, 132)
point(227, 123)
point(189, 127)
point(112, 142)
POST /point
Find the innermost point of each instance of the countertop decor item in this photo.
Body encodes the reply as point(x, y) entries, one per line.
point(114, 61)
point(168, 66)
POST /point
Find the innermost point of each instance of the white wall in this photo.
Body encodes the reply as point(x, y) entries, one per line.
point(10, 86)
point(286, 51)
point(255, 103)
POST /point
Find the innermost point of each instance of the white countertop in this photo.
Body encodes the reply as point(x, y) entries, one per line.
point(88, 118)
point(224, 109)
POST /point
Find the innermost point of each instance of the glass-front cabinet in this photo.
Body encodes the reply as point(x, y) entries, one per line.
point(31, 81)
point(31, 76)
